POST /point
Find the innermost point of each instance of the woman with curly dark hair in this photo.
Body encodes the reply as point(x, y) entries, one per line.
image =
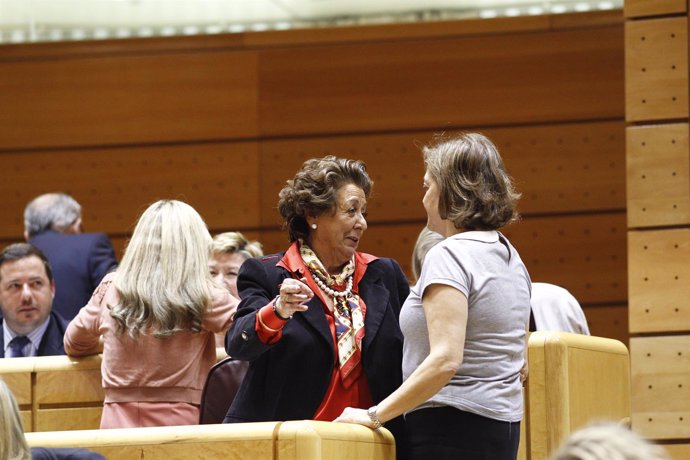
point(319, 322)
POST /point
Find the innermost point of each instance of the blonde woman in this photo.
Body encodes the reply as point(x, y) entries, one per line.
point(229, 251)
point(156, 317)
point(13, 445)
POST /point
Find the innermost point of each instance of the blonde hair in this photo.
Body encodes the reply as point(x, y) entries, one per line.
point(236, 243)
point(163, 280)
point(475, 190)
point(13, 445)
point(608, 441)
point(426, 240)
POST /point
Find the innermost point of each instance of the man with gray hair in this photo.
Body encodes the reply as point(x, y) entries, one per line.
point(52, 223)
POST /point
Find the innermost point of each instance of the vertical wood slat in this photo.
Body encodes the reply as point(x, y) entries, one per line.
point(659, 280)
point(656, 63)
point(660, 389)
point(641, 8)
point(658, 172)
point(658, 194)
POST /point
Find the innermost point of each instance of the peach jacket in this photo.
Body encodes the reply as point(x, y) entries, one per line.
point(147, 368)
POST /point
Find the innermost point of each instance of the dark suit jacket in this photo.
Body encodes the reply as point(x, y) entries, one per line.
point(57, 453)
point(79, 263)
point(288, 380)
point(51, 343)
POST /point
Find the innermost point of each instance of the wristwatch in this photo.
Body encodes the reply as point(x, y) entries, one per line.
point(275, 309)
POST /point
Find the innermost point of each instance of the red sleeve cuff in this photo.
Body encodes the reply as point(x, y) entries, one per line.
point(269, 328)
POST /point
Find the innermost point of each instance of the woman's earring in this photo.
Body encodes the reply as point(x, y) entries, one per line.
point(314, 226)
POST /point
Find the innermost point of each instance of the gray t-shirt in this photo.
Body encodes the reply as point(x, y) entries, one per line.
point(487, 269)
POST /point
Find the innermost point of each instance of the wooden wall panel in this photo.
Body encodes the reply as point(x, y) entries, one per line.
point(657, 83)
point(656, 63)
point(71, 418)
point(608, 321)
point(120, 241)
point(565, 167)
point(658, 279)
point(678, 451)
point(658, 171)
point(468, 81)
point(102, 99)
point(639, 8)
point(557, 168)
point(394, 163)
point(585, 254)
point(19, 384)
point(660, 375)
point(64, 386)
point(115, 185)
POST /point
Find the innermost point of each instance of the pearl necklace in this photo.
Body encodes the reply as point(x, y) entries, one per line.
point(332, 292)
point(336, 295)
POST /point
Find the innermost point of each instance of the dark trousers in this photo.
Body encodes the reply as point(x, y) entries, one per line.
point(448, 433)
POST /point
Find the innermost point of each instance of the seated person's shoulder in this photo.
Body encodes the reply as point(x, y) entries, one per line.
point(43, 453)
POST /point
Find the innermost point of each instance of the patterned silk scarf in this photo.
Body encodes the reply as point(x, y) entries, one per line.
point(349, 317)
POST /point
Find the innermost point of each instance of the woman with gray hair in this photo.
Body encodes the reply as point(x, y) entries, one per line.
point(319, 322)
point(608, 441)
point(465, 320)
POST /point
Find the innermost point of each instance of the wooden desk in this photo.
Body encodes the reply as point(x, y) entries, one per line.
point(266, 440)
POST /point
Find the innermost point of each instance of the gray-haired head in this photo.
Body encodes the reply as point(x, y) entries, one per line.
point(51, 211)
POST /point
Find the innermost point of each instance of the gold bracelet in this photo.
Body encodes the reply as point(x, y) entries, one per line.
point(374, 417)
